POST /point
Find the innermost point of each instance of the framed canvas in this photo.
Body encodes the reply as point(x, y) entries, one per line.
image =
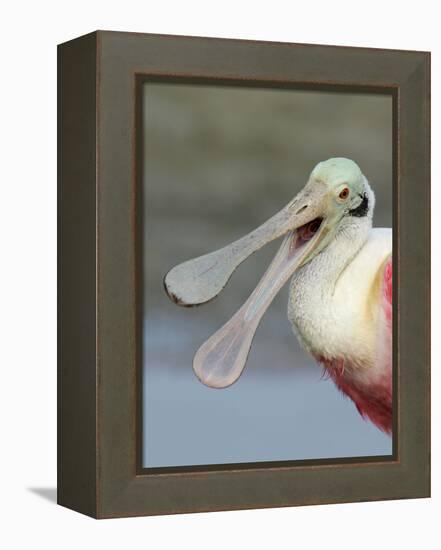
point(183, 160)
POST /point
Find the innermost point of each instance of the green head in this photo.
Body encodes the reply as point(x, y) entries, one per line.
point(344, 180)
point(336, 196)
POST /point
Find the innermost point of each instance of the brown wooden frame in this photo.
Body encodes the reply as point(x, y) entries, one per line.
point(99, 471)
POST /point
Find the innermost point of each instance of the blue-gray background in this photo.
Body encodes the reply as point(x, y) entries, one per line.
point(219, 161)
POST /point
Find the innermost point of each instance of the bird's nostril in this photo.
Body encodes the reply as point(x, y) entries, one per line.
point(301, 209)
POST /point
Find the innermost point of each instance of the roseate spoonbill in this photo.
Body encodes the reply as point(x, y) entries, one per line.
point(340, 300)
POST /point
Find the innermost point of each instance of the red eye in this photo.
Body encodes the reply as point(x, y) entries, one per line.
point(344, 194)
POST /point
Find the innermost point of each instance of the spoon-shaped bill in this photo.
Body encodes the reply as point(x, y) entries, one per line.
point(199, 280)
point(219, 362)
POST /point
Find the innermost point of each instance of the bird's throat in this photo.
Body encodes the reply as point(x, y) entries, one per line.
point(310, 304)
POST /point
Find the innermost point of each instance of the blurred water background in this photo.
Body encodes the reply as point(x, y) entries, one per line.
point(218, 162)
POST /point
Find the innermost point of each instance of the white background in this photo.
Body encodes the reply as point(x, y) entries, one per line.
point(29, 34)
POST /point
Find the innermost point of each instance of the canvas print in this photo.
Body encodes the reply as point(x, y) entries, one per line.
point(231, 177)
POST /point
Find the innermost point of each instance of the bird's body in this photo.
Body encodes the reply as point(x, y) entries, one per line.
point(340, 301)
point(340, 309)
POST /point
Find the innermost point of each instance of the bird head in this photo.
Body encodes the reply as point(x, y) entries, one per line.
point(335, 194)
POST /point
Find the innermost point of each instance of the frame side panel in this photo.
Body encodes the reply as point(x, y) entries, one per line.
point(414, 277)
point(77, 274)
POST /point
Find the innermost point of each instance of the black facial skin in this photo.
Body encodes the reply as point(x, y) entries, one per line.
point(362, 209)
